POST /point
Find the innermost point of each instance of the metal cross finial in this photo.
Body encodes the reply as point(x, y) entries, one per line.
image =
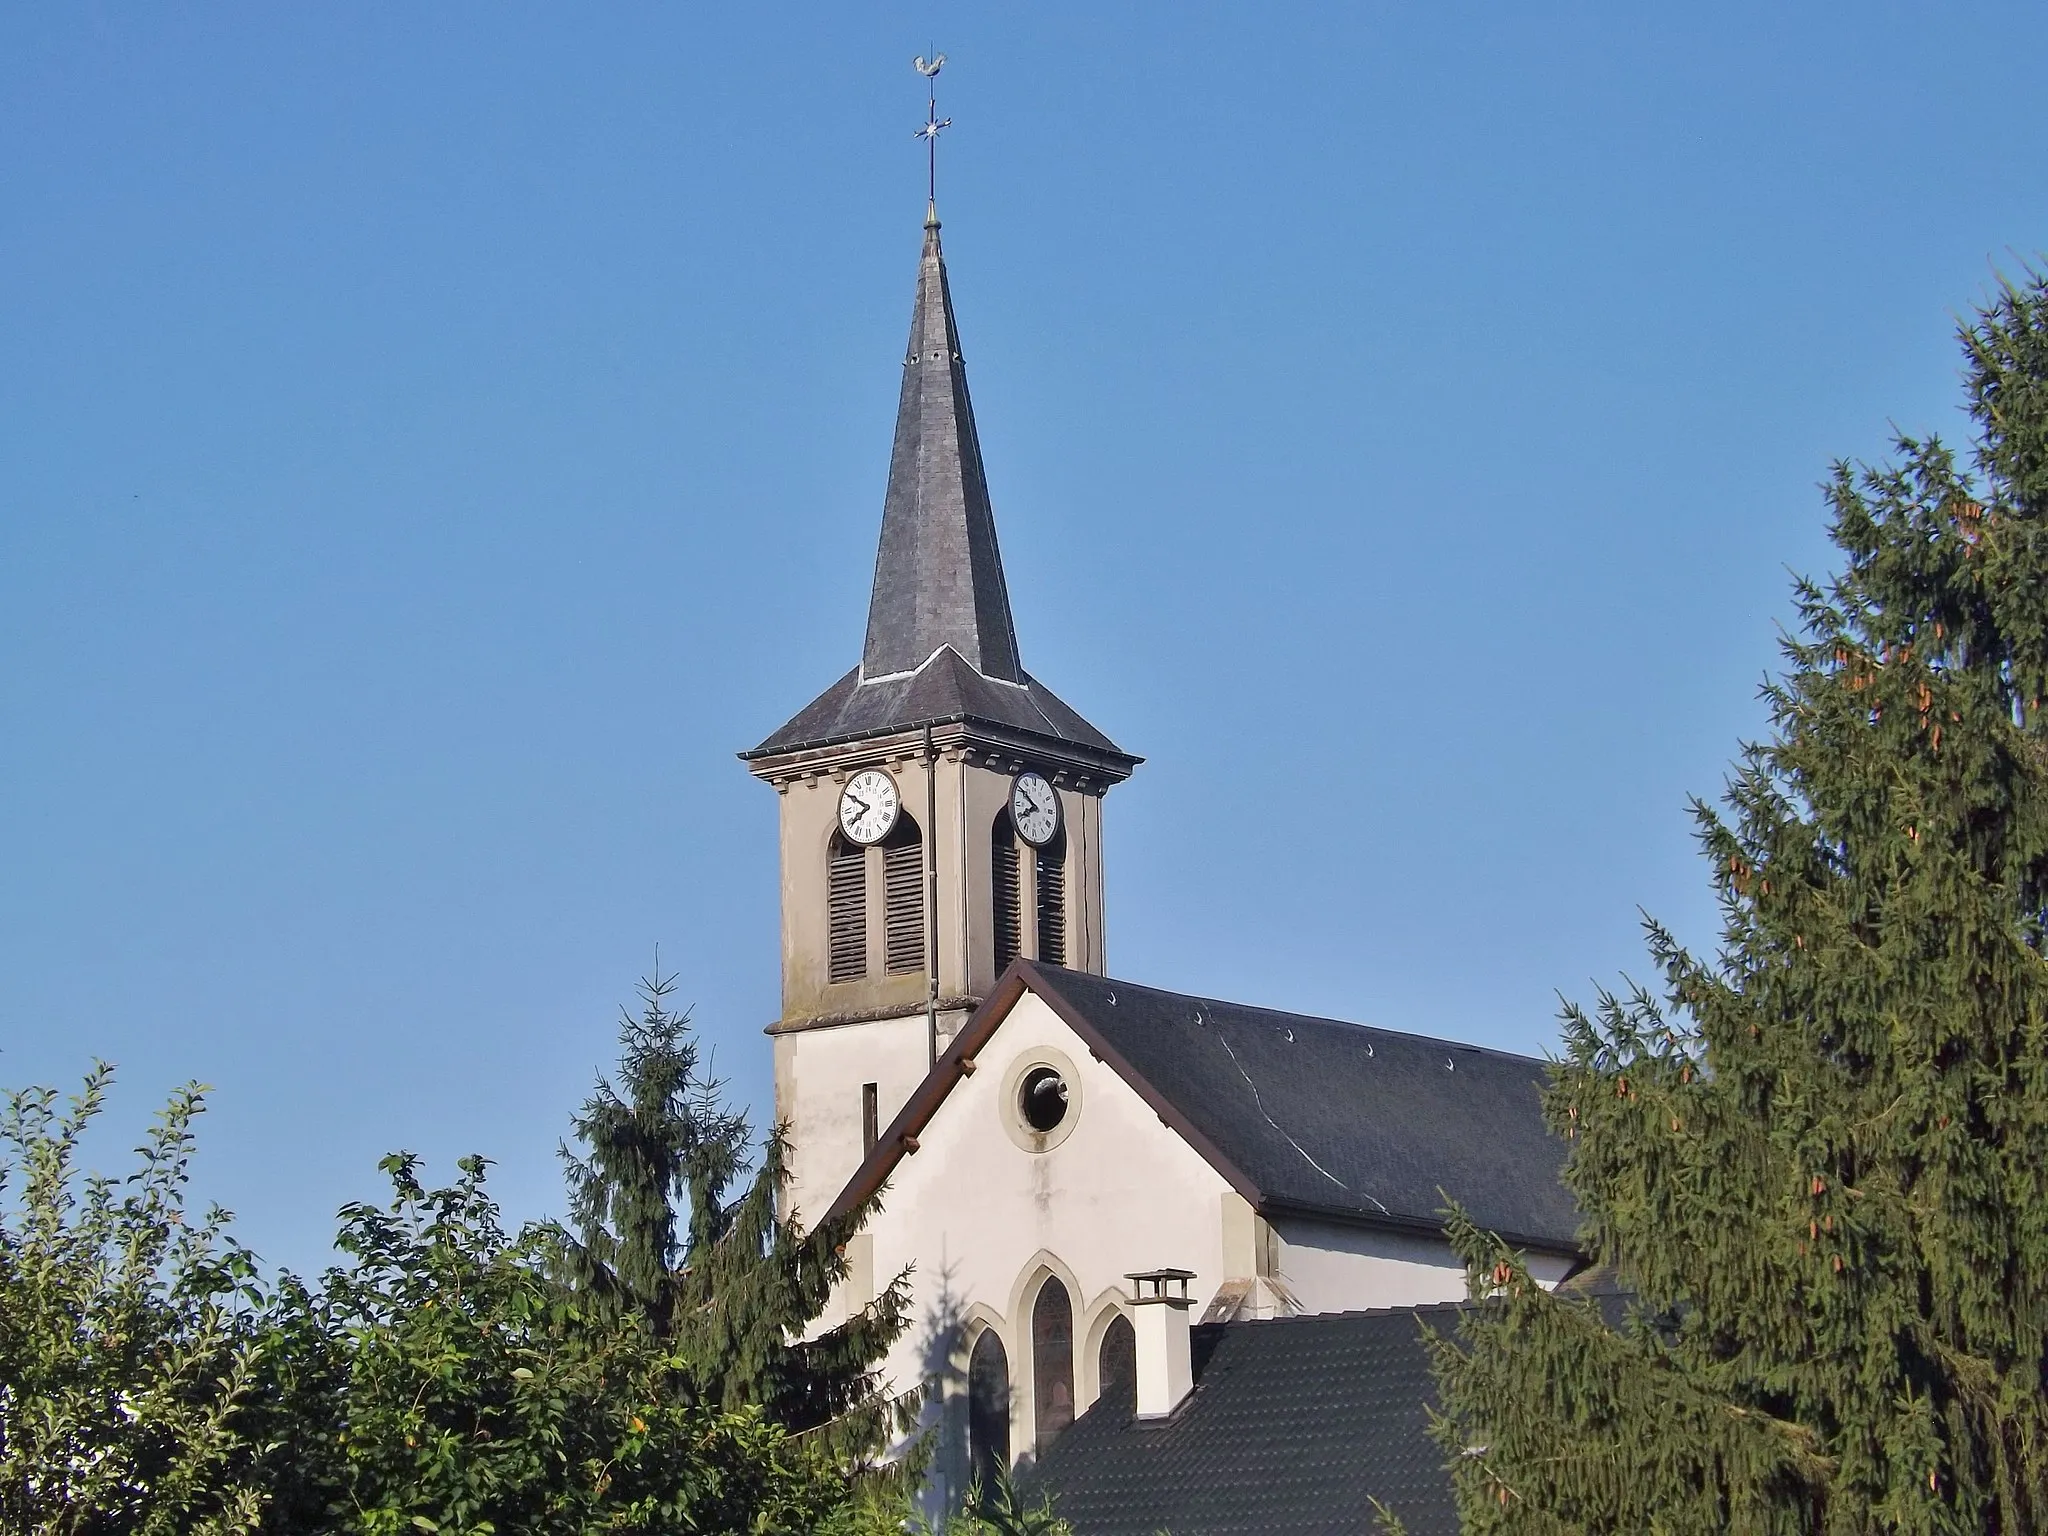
point(933, 123)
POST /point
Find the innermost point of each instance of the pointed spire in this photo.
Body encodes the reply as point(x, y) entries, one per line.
point(938, 572)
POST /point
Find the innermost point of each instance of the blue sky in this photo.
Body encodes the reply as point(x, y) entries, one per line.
point(432, 443)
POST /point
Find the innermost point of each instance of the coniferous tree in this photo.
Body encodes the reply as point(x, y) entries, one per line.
point(668, 1226)
point(1817, 1166)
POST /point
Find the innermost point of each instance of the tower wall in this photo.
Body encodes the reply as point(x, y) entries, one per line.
point(835, 1038)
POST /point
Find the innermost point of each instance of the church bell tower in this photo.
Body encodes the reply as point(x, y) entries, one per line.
point(941, 808)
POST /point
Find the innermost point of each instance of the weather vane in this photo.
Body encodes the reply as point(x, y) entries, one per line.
point(933, 123)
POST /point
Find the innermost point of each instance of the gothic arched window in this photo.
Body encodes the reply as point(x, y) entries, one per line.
point(1051, 869)
point(1116, 1362)
point(903, 897)
point(988, 1409)
point(1052, 1360)
point(846, 887)
point(1008, 886)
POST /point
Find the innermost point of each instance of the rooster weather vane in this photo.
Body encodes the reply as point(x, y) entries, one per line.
point(933, 124)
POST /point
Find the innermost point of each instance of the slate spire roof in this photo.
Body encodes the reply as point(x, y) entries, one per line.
point(941, 644)
point(938, 573)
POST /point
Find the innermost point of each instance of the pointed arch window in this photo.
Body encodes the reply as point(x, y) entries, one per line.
point(1006, 872)
point(1116, 1363)
point(988, 1409)
point(846, 885)
point(1052, 1360)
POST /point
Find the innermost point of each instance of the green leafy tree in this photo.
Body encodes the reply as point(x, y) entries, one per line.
point(1816, 1167)
point(670, 1228)
point(125, 1368)
point(441, 1381)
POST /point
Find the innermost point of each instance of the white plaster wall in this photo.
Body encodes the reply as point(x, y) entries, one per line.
point(818, 1077)
point(1332, 1267)
point(982, 1219)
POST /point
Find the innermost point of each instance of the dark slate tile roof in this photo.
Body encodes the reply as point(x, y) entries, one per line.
point(1294, 1426)
point(1324, 1116)
point(938, 571)
point(945, 689)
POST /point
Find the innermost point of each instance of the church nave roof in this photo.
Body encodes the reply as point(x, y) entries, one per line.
point(1304, 1116)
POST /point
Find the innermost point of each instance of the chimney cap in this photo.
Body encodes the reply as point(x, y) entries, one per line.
point(1150, 1285)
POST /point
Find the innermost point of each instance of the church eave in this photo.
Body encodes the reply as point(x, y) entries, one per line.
point(946, 693)
point(950, 733)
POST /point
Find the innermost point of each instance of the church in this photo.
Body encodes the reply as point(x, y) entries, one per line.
point(1108, 1196)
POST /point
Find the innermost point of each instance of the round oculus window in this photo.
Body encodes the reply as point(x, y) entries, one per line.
point(1042, 1099)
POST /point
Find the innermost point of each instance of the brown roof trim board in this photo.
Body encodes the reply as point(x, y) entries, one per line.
point(900, 1139)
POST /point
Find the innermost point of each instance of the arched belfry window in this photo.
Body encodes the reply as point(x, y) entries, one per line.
point(1116, 1363)
point(898, 863)
point(988, 1409)
point(1005, 873)
point(1051, 883)
point(846, 885)
point(1052, 1360)
point(903, 897)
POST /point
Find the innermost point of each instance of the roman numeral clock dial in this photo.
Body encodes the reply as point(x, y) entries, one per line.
point(1034, 808)
point(868, 806)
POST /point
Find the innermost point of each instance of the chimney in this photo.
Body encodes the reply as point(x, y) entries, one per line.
point(1159, 1315)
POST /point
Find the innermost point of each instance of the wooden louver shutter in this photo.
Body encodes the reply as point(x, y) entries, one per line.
point(1009, 901)
point(846, 883)
point(1052, 904)
point(903, 893)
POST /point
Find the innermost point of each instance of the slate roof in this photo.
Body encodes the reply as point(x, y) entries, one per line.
point(1328, 1117)
point(938, 572)
point(1293, 1427)
point(946, 690)
point(941, 643)
point(1302, 1115)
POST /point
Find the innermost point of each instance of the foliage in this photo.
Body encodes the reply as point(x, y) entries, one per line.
point(123, 1364)
point(998, 1510)
point(1819, 1162)
point(441, 1381)
point(662, 1233)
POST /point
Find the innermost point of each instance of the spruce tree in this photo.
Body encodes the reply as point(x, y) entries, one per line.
point(1816, 1166)
point(670, 1227)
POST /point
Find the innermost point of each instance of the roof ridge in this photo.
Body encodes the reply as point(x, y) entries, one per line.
point(1341, 1315)
point(1054, 972)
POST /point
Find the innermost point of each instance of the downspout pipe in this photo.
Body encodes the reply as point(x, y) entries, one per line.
point(931, 902)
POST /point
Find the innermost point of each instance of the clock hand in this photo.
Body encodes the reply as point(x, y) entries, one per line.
point(860, 804)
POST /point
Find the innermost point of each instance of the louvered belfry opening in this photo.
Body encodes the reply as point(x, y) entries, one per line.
point(1009, 897)
point(846, 884)
point(1052, 901)
point(903, 897)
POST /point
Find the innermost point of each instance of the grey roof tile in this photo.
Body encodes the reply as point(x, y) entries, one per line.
point(1325, 1116)
point(938, 572)
point(1294, 1426)
point(941, 643)
point(946, 689)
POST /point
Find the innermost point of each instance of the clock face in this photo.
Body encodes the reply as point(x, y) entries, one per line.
point(868, 806)
point(1034, 808)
